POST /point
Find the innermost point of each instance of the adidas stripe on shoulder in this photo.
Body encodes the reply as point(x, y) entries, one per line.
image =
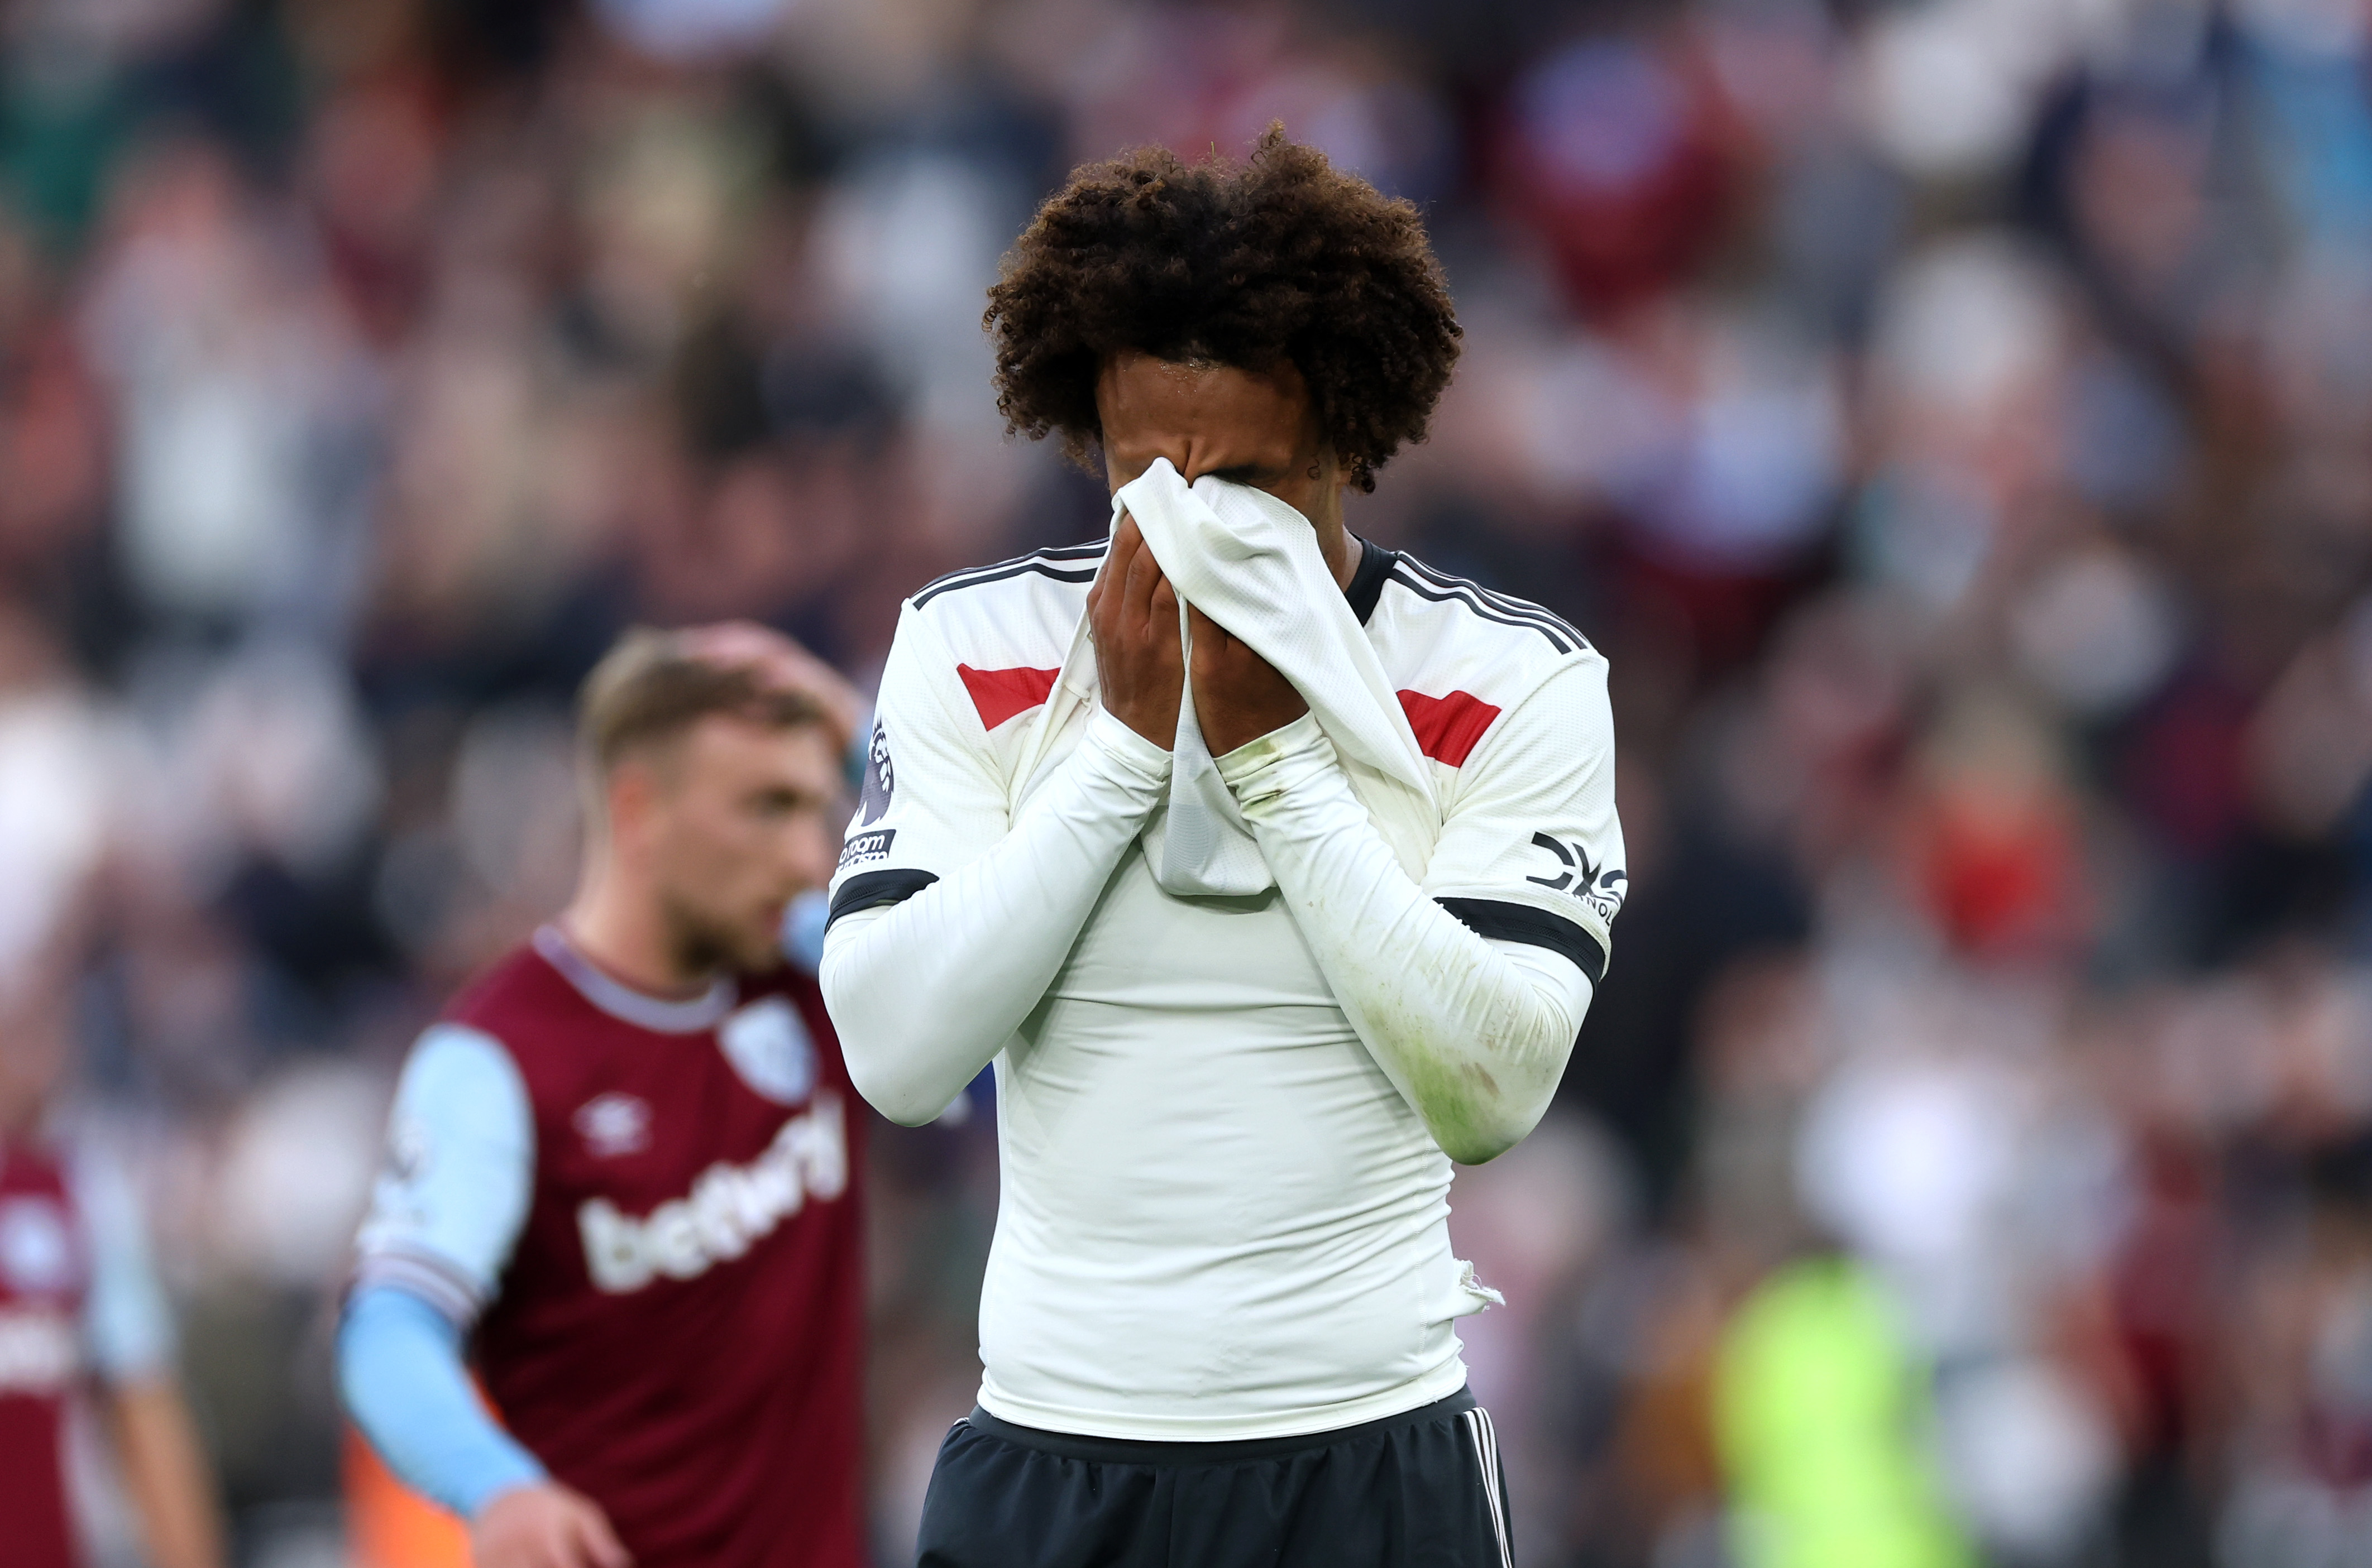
point(1068, 563)
point(1442, 588)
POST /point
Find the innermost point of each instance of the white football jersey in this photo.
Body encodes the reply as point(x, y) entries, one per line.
point(1218, 1217)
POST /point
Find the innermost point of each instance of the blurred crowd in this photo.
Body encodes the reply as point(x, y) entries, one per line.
point(1952, 417)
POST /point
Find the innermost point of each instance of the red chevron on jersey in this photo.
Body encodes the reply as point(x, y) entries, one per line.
point(1448, 728)
point(999, 694)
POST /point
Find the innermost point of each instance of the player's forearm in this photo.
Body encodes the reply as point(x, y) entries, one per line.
point(165, 1469)
point(1475, 1034)
point(926, 991)
point(400, 1370)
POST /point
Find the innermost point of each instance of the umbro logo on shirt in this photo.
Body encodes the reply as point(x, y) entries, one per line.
point(614, 1124)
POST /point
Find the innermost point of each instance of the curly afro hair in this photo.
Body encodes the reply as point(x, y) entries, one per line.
point(1279, 258)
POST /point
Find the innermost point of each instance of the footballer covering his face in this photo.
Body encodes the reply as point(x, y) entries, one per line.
point(1273, 870)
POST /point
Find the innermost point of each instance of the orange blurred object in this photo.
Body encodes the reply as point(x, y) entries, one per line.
point(391, 1526)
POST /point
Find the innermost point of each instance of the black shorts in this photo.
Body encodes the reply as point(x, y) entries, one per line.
point(1420, 1490)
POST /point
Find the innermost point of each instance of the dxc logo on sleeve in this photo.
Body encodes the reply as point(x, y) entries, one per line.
point(1602, 890)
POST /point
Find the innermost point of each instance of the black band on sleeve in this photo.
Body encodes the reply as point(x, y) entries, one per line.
point(872, 888)
point(1533, 927)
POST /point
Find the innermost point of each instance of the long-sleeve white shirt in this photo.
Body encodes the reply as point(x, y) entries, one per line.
point(1223, 1120)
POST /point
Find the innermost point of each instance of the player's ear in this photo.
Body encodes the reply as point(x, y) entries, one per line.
point(630, 795)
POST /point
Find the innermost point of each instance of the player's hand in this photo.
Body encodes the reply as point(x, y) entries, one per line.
point(1133, 615)
point(545, 1527)
point(1238, 696)
point(783, 664)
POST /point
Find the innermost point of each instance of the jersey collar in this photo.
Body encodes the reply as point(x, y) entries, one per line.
point(1367, 581)
point(660, 1015)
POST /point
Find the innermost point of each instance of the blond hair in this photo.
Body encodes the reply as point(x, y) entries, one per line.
point(650, 688)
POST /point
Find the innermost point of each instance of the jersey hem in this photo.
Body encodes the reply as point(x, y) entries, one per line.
point(1439, 1383)
point(1122, 1451)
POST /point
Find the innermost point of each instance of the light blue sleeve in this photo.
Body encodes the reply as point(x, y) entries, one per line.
point(400, 1370)
point(460, 1170)
point(803, 925)
point(127, 1324)
point(445, 1215)
point(860, 752)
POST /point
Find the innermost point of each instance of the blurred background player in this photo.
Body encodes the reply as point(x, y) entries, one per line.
point(627, 1164)
point(81, 1311)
